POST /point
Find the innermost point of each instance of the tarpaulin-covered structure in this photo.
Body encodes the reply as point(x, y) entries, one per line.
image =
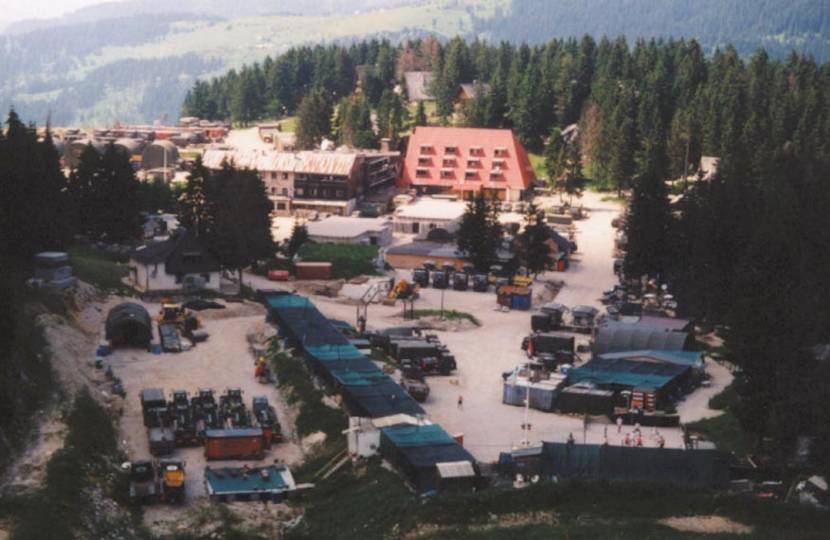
point(687, 468)
point(366, 390)
point(616, 374)
point(429, 457)
point(129, 325)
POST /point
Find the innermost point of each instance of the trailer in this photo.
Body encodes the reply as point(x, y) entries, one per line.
point(238, 443)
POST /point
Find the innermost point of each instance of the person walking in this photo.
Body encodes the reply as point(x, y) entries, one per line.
point(460, 401)
point(619, 424)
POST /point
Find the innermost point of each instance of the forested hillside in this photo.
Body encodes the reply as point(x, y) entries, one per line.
point(59, 65)
point(779, 26)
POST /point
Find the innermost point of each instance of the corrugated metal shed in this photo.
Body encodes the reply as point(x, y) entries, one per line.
point(616, 336)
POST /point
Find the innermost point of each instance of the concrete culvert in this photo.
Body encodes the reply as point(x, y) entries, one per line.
point(129, 325)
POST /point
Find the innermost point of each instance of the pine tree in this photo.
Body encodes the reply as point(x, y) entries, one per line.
point(624, 143)
point(119, 216)
point(533, 243)
point(242, 231)
point(299, 236)
point(313, 121)
point(420, 114)
point(649, 218)
point(197, 203)
point(479, 232)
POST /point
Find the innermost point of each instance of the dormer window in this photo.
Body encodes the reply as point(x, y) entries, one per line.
point(476, 151)
point(471, 175)
point(450, 149)
point(500, 152)
point(499, 163)
point(496, 174)
point(421, 173)
point(448, 162)
point(446, 174)
point(424, 161)
point(426, 148)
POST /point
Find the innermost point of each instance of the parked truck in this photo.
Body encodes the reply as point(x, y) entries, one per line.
point(233, 409)
point(142, 478)
point(415, 383)
point(266, 417)
point(184, 422)
point(171, 481)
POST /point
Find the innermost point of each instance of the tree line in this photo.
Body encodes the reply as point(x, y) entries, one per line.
point(747, 250)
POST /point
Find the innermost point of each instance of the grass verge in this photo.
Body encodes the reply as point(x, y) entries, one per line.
point(313, 415)
point(104, 270)
point(448, 314)
point(371, 503)
point(347, 260)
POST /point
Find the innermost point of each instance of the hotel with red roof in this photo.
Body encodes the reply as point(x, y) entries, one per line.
point(464, 161)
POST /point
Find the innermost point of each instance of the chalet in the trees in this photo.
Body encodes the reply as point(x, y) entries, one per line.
point(181, 262)
point(314, 181)
point(465, 161)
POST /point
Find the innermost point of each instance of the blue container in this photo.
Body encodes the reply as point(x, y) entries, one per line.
point(521, 302)
point(103, 350)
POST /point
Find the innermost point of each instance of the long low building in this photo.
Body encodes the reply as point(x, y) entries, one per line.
point(425, 215)
point(351, 230)
point(309, 181)
point(415, 254)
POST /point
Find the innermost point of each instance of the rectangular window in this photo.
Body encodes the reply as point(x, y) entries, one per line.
point(423, 161)
point(426, 148)
point(470, 175)
point(446, 174)
point(448, 162)
point(450, 149)
point(421, 173)
point(496, 175)
point(476, 151)
point(500, 152)
point(285, 176)
point(473, 163)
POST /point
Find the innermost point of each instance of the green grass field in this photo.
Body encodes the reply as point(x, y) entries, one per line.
point(347, 261)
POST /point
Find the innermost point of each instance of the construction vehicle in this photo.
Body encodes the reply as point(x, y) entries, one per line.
point(266, 417)
point(440, 279)
point(415, 384)
point(460, 281)
point(171, 313)
point(184, 423)
point(151, 482)
point(153, 406)
point(171, 478)
point(522, 281)
point(420, 276)
point(142, 478)
point(403, 290)
point(171, 339)
point(233, 408)
point(481, 283)
point(205, 411)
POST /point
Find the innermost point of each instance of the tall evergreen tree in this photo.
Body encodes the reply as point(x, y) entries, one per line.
point(420, 115)
point(242, 233)
point(197, 204)
point(649, 218)
point(313, 121)
point(479, 232)
point(532, 244)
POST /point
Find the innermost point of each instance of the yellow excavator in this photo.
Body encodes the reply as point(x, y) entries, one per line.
point(403, 290)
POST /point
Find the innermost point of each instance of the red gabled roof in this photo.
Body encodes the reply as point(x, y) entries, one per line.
point(516, 169)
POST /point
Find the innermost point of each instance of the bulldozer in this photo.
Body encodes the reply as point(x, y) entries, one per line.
point(176, 314)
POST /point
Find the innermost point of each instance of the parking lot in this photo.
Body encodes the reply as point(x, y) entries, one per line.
point(223, 361)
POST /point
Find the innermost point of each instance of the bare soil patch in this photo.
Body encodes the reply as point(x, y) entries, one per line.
point(706, 525)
